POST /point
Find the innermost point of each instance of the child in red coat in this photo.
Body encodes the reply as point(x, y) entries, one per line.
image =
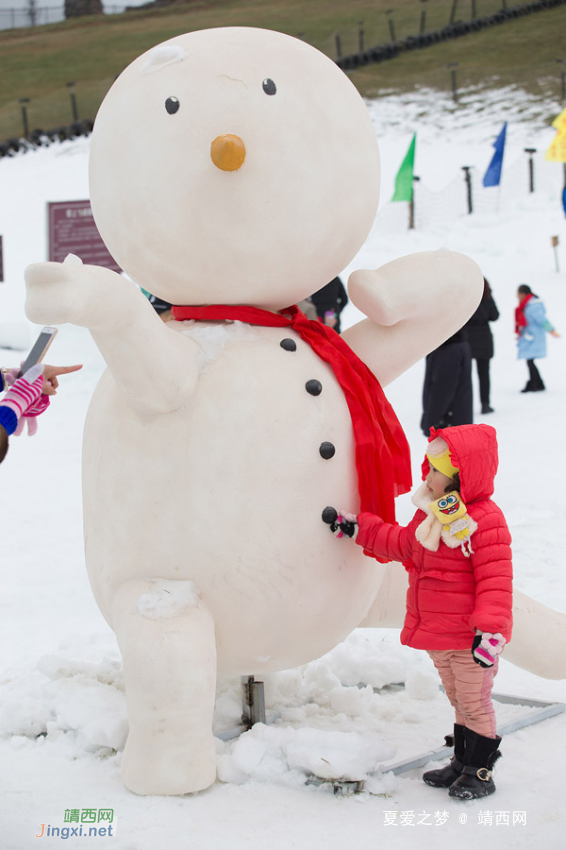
point(457, 552)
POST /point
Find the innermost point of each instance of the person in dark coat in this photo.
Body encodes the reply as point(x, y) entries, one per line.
point(329, 302)
point(447, 390)
point(481, 342)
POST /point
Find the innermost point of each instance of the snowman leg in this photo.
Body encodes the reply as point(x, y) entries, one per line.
point(167, 640)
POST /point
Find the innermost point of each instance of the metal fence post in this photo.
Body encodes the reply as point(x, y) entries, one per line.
point(453, 66)
point(453, 11)
point(468, 179)
point(73, 96)
point(412, 205)
point(23, 101)
point(562, 79)
point(389, 12)
point(423, 18)
point(530, 152)
point(338, 46)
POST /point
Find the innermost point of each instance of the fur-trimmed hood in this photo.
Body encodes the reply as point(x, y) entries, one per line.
point(473, 450)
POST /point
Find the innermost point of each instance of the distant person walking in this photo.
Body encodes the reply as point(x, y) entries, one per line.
point(329, 302)
point(481, 342)
point(447, 389)
point(531, 327)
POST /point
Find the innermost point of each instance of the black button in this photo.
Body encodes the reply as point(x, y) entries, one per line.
point(313, 387)
point(288, 344)
point(327, 450)
point(329, 515)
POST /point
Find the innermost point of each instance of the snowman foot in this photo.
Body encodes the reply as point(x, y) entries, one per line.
point(158, 764)
point(167, 639)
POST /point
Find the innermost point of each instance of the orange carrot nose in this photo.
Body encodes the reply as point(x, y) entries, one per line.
point(228, 152)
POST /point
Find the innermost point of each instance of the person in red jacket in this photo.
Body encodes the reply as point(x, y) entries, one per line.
point(457, 552)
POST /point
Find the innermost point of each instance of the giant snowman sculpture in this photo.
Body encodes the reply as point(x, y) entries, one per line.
point(235, 167)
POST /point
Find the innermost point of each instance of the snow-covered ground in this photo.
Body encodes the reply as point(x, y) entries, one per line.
point(63, 720)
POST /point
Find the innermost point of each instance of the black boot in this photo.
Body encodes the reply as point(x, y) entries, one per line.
point(528, 388)
point(480, 755)
point(445, 776)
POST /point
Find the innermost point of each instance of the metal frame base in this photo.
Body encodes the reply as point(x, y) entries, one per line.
point(254, 712)
point(542, 711)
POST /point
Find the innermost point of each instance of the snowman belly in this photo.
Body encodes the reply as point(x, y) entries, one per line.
point(228, 492)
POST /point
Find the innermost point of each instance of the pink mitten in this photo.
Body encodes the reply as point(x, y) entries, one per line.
point(486, 647)
point(341, 524)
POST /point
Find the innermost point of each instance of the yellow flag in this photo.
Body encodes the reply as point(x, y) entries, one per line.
point(557, 149)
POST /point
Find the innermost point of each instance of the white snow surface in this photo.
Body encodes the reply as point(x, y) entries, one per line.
point(63, 718)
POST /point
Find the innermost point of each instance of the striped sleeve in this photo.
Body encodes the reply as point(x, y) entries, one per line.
point(23, 395)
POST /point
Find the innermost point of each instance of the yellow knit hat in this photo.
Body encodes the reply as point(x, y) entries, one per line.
point(443, 463)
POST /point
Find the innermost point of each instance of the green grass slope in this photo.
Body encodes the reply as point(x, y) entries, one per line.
point(38, 63)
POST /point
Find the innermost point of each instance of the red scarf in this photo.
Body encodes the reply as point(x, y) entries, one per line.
point(520, 321)
point(382, 452)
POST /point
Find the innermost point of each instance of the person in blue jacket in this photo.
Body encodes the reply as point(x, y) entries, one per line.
point(531, 327)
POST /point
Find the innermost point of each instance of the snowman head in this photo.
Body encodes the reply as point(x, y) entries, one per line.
point(233, 166)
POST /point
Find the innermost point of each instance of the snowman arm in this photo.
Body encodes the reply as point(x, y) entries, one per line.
point(155, 367)
point(413, 304)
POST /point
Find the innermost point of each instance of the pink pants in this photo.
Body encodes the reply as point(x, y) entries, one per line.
point(468, 687)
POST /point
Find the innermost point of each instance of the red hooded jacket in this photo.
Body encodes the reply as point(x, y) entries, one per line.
point(451, 595)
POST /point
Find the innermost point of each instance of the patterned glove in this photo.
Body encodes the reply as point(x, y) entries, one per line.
point(486, 647)
point(24, 402)
point(341, 524)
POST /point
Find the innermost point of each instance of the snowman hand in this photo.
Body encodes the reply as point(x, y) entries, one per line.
point(486, 647)
point(405, 301)
point(341, 524)
point(72, 292)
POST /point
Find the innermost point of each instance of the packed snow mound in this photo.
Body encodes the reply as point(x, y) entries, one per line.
point(297, 754)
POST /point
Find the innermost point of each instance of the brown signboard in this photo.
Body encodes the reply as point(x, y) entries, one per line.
point(72, 231)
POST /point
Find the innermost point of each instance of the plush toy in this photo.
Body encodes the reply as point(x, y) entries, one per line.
point(452, 513)
point(234, 168)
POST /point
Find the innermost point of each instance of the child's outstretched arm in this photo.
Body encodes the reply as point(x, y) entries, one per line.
point(377, 537)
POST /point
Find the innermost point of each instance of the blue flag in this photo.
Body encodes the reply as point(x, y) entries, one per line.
point(492, 176)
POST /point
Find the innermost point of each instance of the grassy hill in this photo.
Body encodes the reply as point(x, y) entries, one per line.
point(38, 63)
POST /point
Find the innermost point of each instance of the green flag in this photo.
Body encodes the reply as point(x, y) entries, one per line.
point(404, 180)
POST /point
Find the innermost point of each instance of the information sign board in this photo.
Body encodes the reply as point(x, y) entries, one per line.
point(72, 231)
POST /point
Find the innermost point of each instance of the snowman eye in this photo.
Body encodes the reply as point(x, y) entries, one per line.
point(172, 105)
point(269, 86)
